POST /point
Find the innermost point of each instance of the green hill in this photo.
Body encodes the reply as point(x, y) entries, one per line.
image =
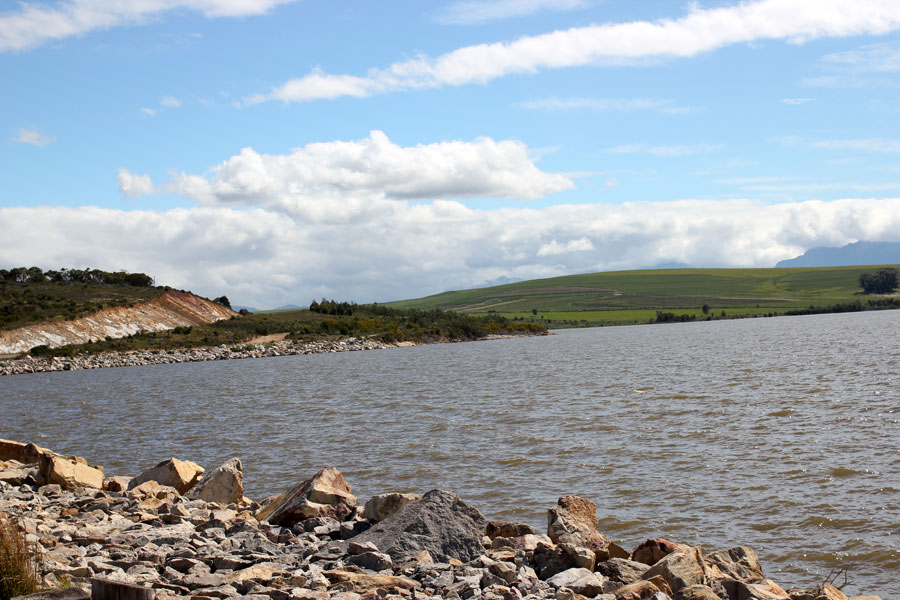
point(624, 297)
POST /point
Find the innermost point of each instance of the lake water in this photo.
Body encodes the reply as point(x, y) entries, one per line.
point(782, 434)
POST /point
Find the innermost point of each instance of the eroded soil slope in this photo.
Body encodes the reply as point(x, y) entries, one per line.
point(172, 309)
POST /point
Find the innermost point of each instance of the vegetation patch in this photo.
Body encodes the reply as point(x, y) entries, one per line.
point(20, 563)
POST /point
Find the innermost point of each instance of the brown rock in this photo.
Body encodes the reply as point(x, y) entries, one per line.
point(696, 592)
point(116, 484)
point(680, 569)
point(572, 523)
point(365, 582)
point(639, 590)
point(179, 474)
point(69, 474)
point(225, 484)
point(326, 494)
point(382, 506)
point(739, 563)
point(507, 529)
point(765, 590)
point(653, 550)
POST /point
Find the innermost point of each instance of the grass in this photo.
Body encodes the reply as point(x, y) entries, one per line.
point(629, 297)
point(20, 563)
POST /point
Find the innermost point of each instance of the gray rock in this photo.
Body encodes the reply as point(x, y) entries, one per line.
point(579, 580)
point(622, 570)
point(382, 506)
point(440, 522)
point(374, 561)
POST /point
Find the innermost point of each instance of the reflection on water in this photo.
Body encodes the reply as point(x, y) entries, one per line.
point(781, 434)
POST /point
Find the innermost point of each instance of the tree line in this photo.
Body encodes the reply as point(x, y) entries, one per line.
point(36, 275)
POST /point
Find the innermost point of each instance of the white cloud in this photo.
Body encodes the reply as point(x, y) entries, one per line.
point(170, 102)
point(701, 30)
point(471, 12)
point(132, 185)
point(796, 101)
point(553, 247)
point(35, 23)
point(611, 182)
point(148, 111)
point(33, 137)
point(883, 57)
point(607, 104)
point(400, 249)
point(331, 176)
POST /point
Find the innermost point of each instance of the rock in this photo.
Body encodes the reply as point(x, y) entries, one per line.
point(579, 580)
point(696, 592)
point(639, 590)
point(69, 474)
point(549, 560)
point(382, 506)
point(116, 484)
point(572, 523)
point(680, 569)
point(18, 475)
point(225, 484)
point(653, 550)
point(766, 590)
point(622, 570)
point(58, 594)
point(440, 522)
point(508, 529)
point(23, 453)
point(152, 489)
point(373, 561)
point(739, 563)
point(179, 474)
point(326, 494)
point(365, 582)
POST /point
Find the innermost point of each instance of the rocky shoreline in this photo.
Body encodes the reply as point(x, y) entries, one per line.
point(105, 360)
point(178, 531)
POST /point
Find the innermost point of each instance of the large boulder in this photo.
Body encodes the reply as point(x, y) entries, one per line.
point(179, 474)
point(440, 522)
point(680, 569)
point(225, 484)
point(653, 550)
point(69, 474)
point(325, 494)
point(740, 563)
point(622, 570)
point(382, 506)
point(572, 524)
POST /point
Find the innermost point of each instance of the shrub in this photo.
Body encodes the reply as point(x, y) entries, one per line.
point(20, 563)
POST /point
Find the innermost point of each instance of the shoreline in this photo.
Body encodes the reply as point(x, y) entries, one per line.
point(180, 531)
point(138, 358)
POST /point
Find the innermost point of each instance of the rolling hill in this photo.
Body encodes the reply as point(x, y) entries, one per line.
point(627, 297)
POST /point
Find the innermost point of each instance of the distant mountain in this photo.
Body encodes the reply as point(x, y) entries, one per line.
point(857, 253)
point(249, 308)
point(285, 307)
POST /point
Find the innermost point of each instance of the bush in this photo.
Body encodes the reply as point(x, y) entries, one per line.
point(882, 282)
point(20, 563)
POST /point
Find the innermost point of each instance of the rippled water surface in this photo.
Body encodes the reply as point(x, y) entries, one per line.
point(781, 434)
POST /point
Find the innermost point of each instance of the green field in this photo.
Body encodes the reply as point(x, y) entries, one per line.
point(628, 297)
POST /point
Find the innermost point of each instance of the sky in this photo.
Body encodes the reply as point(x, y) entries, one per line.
point(279, 151)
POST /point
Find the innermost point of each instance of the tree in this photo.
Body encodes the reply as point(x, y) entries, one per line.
point(705, 309)
point(882, 282)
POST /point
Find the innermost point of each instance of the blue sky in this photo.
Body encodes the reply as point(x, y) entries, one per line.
point(278, 151)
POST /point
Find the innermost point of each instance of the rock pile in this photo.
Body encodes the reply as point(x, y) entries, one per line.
point(29, 364)
point(194, 535)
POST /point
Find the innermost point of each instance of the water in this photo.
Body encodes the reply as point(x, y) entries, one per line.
point(780, 434)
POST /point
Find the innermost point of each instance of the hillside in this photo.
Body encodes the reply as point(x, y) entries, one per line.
point(625, 297)
point(170, 309)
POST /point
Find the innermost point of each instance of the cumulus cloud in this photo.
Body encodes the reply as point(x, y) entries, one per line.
point(134, 186)
point(35, 23)
point(33, 137)
point(336, 176)
point(401, 249)
point(472, 12)
point(701, 30)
